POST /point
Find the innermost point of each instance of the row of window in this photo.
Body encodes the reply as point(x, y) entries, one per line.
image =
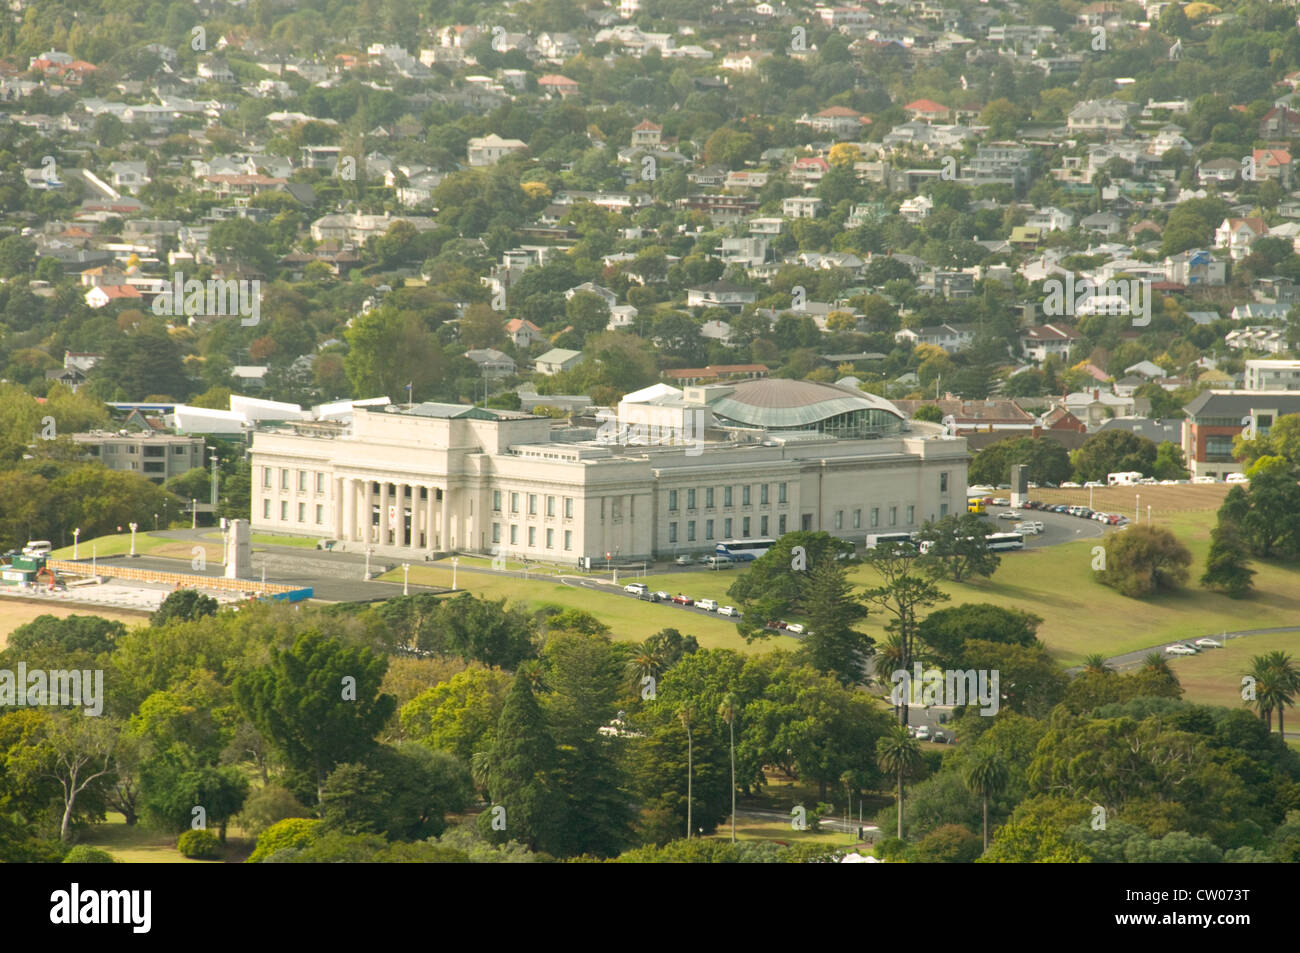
point(302, 512)
point(302, 480)
point(532, 536)
point(875, 517)
point(728, 496)
point(532, 504)
point(746, 526)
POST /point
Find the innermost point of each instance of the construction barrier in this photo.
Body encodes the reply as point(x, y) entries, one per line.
point(182, 580)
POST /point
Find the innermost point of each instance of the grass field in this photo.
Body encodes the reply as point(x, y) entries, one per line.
point(14, 613)
point(629, 619)
point(1214, 676)
point(1163, 500)
point(139, 845)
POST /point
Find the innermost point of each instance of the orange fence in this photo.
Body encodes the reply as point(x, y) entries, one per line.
point(184, 580)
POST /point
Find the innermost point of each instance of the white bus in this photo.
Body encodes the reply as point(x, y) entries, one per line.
point(1002, 541)
point(873, 539)
point(1124, 478)
point(744, 550)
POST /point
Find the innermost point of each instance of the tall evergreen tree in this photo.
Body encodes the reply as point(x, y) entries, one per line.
point(831, 644)
point(1225, 564)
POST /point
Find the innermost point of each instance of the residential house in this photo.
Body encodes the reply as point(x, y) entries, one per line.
point(1280, 122)
point(1107, 223)
point(1272, 375)
point(916, 209)
point(749, 252)
point(927, 110)
point(838, 121)
point(1238, 234)
point(1218, 171)
point(491, 362)
point(647, 135)
point(799, 206)
point(557, 85)
point(1260, 311)
point(951, 337)
point(719, 294)
point(103, 295)
point(1051, 219)
point(1268, 339)
point(490, 149)
point(1196, 267)
point(558, 359)
point(1108, 117)
point(1040, 343)
point(523, 333)
point(1273, 165)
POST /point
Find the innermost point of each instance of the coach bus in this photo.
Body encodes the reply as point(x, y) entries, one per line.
point(744, 550)
point(875, 539)
point(1005, 541)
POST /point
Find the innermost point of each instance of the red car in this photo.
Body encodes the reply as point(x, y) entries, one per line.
point(682, 600)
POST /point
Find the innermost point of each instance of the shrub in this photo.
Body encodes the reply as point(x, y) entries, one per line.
point(266, 806)
point(85, 854)
point(200, 845)
point(293, 832)
point(949, 844)
point(1144, 560)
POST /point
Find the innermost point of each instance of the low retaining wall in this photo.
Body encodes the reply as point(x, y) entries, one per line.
point(184, 580)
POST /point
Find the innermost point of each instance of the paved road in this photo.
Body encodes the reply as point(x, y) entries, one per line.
point(1131, 660)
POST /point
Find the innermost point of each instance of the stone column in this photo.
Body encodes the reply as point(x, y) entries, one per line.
point(383, 513)
point(430, 532)
point(447, 543)
point(347, 506)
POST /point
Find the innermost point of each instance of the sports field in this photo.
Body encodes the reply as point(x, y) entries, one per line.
point(15, 612)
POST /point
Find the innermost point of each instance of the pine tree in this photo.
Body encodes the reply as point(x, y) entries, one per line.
point(831, 644)
point(520, 775)
point(1225, 565)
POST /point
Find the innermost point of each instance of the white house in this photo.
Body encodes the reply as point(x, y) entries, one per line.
point(490, 149)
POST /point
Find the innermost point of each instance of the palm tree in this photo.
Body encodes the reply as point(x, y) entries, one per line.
point(898, 754)
point(986, 777)
point(646, 662)
point(1276, 684)
point(1096, 665)
point(1157, 663)
point(727, 712)
point(684, 713)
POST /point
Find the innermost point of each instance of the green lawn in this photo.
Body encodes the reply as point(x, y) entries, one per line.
point(627, 618)
point(1214, 676)
point(115, 544)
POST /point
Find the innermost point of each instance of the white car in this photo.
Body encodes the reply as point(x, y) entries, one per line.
point(636, 588)
point(1168, 482)
point(662, 596)
point(684, 560)
point(979, 491)
point(1001, 501)
point(1010, 515)
point(1093, 483)
point(729, 610)
point(795, 627)
point(1147, 481)
point(1070, 485)
point(1208, 644)
point(1236, 478)
point(708, 605)
point(922, 732)
point(1029, 528)
point(1205, 479)
point(1179, 649)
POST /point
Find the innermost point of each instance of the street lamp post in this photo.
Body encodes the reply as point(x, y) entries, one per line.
point(194, 514)
point(1137, 508)
point(454, 561)
point(406, 572)
point(369, 550)
point(93, 570)
point(133, 526)
point(155, 522)
point(75, 534)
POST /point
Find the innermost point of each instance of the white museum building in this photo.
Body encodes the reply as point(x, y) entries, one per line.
point(670, 471)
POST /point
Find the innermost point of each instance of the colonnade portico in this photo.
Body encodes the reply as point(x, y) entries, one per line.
point(357, 499)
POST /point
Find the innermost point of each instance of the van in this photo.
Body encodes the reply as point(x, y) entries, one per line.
point(708, 605)
point(718, 561)
point(38, 547)
point(1236, 478)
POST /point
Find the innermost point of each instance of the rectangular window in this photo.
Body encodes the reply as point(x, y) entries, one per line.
point(943, 482)
point(726, 527)
point(616, 508)
point(514, 535)
point(284, 479)
point(744, 495)
point(302, 512)
point(266, 477)
point(726, 496)
point(708, 529)
point(780, 524)
point(911, 515)
point(302, 481)
point(568, 539)
point(550, 507)
point(320, 483)
point(762, 524)
point(550, 539)
point(266, 509)
point(568, 509)
point(514, 502)
point(672, 501)
point(496, 532)
point(857, 519)
point(780, 492)
point(284, 509)
point(875, 517)
point(762, 494)
point(496, 501)
point(839, 519)
point(943, 510)
point(708, 497)
point(532, 504)
point(690, 531)
point(532, 536)
point(893, 516)
point(602, 507)
point(690, 499)
point(672, 532)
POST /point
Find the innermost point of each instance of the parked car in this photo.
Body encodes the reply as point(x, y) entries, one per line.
point(682, 600)
point(1204, 479)
point(38, 547)
point(1001, 501)
point(684, 560)
point(1010, 515)
point(663, 596)
point(1208, 644)
point(1168, 482)
point(729, 610)
point(941, 738)
point(718, 561)
point(649, 596)
point(636, 588)
point(1070, 485)
point(708, 605)
point(1236, 478)
point(795, 627)
point(1092, 483)
point(1004, 486)
point(1179, 649)
point(1029, 528)
point(922, 732)
point(1147, 481)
